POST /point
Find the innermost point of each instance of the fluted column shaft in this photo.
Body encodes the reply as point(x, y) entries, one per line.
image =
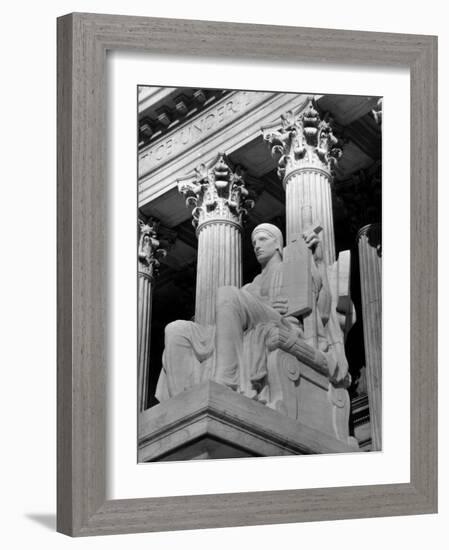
point(148, 254)
point(371, 290)
point(308, 202)
point(219, 264)
point(143, 336)
point(218, 193)
point(306, 150)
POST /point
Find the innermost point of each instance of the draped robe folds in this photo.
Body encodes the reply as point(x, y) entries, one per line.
point(234, 351)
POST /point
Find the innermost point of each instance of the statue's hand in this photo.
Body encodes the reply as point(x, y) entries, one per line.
point(313, 242)
point(280, 304)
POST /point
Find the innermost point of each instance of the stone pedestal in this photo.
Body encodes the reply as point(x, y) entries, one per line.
point(212, 421)
point(369, 243)
point(217, 192)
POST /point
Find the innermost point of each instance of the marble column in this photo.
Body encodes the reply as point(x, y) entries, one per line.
point(148, 254)
point(369, 244)
point(308, 204)
point(306, 150)
point(220, 199)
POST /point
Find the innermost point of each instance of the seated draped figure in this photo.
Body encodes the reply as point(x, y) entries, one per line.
point(251, 322)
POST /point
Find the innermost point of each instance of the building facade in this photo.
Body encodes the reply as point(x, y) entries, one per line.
point(239, 159)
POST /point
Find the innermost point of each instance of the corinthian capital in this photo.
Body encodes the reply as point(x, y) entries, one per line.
point(377, 112)
point(303, 139)
point(149, 251)
point(217, 192)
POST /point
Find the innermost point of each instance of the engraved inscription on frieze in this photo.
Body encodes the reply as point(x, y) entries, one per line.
point(219, 115)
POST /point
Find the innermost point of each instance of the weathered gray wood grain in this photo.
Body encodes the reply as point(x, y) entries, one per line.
point(83, 40)
point(423, 272)
point(64, 277)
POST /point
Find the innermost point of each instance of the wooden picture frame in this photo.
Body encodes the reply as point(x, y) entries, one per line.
point(83, 40)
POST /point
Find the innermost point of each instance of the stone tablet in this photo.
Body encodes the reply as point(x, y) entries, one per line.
point(297, 284)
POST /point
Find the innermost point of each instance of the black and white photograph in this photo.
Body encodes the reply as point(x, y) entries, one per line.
point(259, 262)
point(220, 299)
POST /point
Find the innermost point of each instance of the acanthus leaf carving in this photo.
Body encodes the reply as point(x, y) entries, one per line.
point(149, 248)
point(377, 112)
point(304, 139)
point(217, 191)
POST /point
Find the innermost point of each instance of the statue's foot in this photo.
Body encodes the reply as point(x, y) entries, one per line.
point(251, 394)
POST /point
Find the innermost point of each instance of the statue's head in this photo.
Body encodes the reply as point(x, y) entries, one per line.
point(267, 241)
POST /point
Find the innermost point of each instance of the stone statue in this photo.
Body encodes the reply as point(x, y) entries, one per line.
point(278, 340)
point(250, 323)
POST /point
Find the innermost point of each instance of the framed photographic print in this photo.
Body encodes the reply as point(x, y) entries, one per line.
point(256, 322)
point(226, 302)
